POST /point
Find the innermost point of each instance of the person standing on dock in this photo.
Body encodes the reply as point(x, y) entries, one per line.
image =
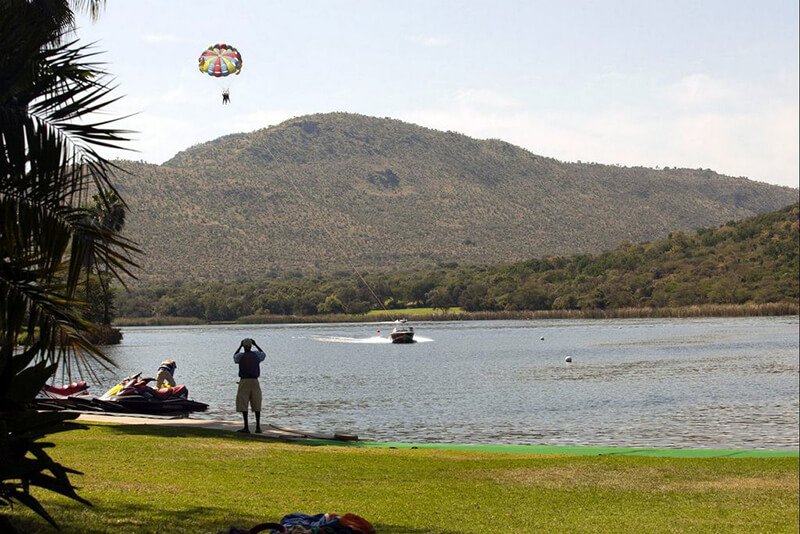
point(249, 392)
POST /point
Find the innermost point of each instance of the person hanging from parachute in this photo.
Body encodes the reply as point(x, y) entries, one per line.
point(221, 60)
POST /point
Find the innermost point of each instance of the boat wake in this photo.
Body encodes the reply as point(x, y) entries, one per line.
point(340, 339)
point(377, 340)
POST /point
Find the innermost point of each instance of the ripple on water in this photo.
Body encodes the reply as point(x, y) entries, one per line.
point(722, 383)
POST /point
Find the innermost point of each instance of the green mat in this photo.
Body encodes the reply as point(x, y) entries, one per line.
point(588, 450)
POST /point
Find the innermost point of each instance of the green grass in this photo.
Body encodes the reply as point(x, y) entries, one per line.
point(160, 479)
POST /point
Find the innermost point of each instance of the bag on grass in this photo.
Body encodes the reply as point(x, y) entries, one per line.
point(325, 524)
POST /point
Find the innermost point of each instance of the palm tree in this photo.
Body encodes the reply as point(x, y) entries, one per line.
point(50, 91)
point(108, 212)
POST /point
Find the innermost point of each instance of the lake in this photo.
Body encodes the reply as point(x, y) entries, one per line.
point(719, 383)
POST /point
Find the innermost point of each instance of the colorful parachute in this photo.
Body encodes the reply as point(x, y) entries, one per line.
point(220, 60)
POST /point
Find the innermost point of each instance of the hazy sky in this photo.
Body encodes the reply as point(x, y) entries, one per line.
point(698, 84)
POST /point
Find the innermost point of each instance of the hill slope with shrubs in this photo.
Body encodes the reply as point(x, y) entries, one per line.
point(753, 261)
point(326, 192)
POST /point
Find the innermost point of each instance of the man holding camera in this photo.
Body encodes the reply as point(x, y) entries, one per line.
point(249, 392)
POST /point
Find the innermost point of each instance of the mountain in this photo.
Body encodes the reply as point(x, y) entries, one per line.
point(334, 191)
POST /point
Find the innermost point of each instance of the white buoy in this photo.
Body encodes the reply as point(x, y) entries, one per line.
point(568, 359)
point(541, 338)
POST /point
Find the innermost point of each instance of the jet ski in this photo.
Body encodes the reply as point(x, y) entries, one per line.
point(73, 396)
point(134, 395)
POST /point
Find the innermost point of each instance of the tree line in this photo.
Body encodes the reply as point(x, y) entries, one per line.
point(749, 261)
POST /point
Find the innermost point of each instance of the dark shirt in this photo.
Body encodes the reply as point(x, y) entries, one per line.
point(249, 363)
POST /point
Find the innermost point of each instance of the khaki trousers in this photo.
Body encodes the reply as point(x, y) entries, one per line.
point(249, 392)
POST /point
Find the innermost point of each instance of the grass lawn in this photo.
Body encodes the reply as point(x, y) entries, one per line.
point(161, 479)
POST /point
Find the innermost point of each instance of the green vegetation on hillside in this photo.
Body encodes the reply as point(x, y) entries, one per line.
point(754, 261)
point(323, 192)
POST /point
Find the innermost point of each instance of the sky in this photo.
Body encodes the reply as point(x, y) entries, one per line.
point(709, 84)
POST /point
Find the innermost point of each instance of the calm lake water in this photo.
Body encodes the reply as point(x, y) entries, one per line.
point(721, 383)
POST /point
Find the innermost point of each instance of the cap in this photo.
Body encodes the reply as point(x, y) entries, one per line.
point(247, 342)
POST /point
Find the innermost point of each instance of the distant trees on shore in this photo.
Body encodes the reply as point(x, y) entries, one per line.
point(754, 261)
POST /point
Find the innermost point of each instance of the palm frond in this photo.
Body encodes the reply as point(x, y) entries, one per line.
point(49, 95)
point(50, 166)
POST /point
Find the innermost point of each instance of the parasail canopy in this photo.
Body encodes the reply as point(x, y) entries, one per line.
point(220, 60)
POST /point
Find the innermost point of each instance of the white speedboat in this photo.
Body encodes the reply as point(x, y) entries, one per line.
point(402, 332)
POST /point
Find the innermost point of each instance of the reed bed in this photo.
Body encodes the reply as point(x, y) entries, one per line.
point(774, 309)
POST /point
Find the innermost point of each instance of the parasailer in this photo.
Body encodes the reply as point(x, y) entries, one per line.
point(221, 60)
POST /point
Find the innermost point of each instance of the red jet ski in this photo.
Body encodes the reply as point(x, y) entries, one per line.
point(76, 388)
point(134, 395)
point(74, 396)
